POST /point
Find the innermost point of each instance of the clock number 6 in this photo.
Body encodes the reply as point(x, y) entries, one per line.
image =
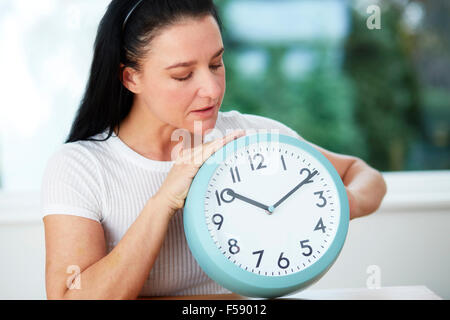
point(283, 263)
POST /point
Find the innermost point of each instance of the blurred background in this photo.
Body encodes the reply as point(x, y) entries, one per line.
point(368, 78)
point(380, 94)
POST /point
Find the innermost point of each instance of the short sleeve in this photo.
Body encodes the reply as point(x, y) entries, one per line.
point(71, 184)
point(250, 122)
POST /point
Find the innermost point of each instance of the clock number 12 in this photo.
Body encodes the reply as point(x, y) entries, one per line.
point(260, 165)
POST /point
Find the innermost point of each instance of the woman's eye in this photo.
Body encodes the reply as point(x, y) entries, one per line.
point(184, 79)
point(215, 67)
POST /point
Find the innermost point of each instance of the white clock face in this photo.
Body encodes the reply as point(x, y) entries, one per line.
point(272, 209)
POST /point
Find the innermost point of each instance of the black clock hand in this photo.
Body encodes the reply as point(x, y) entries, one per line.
point(233, 194)
point(307, 180)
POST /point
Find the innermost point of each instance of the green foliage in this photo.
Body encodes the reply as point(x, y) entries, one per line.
point(319, 106)
point(371, 106)
point(386, 86)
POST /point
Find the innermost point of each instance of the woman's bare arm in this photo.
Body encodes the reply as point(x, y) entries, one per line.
point(121, 274)
point(365, 185)
point(79, 242)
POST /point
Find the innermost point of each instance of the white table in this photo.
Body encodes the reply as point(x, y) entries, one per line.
point(383, 293)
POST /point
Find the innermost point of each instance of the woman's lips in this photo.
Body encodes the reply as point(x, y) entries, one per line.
point(205, 112)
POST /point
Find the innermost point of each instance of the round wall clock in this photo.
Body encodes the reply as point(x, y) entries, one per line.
point(266, 215)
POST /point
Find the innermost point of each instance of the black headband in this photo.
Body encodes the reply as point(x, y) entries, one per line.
point(130, 13)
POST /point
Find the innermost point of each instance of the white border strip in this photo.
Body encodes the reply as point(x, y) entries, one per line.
point(408, 191)
point(417, 190)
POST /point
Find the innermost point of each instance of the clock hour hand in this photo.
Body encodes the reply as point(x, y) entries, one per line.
point(233, 194)
point(305, 181)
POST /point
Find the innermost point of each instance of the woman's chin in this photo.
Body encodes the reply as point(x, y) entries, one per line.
point(203, 127)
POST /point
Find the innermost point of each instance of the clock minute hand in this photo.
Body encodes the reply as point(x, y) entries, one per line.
point(241, 197)
point(307, 180)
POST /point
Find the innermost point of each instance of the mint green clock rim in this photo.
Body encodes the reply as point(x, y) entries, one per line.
point(224, 271)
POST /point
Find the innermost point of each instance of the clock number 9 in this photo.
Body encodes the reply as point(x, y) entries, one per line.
point(234, 248)
point(217, 219)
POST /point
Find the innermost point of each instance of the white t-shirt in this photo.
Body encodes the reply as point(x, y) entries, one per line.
point(110, 183)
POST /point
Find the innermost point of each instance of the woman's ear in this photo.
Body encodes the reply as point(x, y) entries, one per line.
point(130, 79)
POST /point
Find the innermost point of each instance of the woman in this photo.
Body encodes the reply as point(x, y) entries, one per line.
point(113, 194)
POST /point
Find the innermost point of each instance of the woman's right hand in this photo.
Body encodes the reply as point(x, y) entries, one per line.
point(175, 187)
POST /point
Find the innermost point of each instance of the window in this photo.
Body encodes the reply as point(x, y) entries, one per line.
point(46, 54)
point(379, 94)
point(313, 65)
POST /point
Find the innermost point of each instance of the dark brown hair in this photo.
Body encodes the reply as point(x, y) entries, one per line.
point(106, 102)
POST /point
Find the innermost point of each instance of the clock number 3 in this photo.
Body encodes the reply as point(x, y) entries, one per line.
point(321, 197)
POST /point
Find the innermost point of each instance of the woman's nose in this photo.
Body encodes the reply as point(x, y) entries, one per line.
point(211, 86)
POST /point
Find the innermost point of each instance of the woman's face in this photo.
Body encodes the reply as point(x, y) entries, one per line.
point(184, 72)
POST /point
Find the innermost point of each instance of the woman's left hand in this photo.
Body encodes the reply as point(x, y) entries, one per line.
point(353, 204)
